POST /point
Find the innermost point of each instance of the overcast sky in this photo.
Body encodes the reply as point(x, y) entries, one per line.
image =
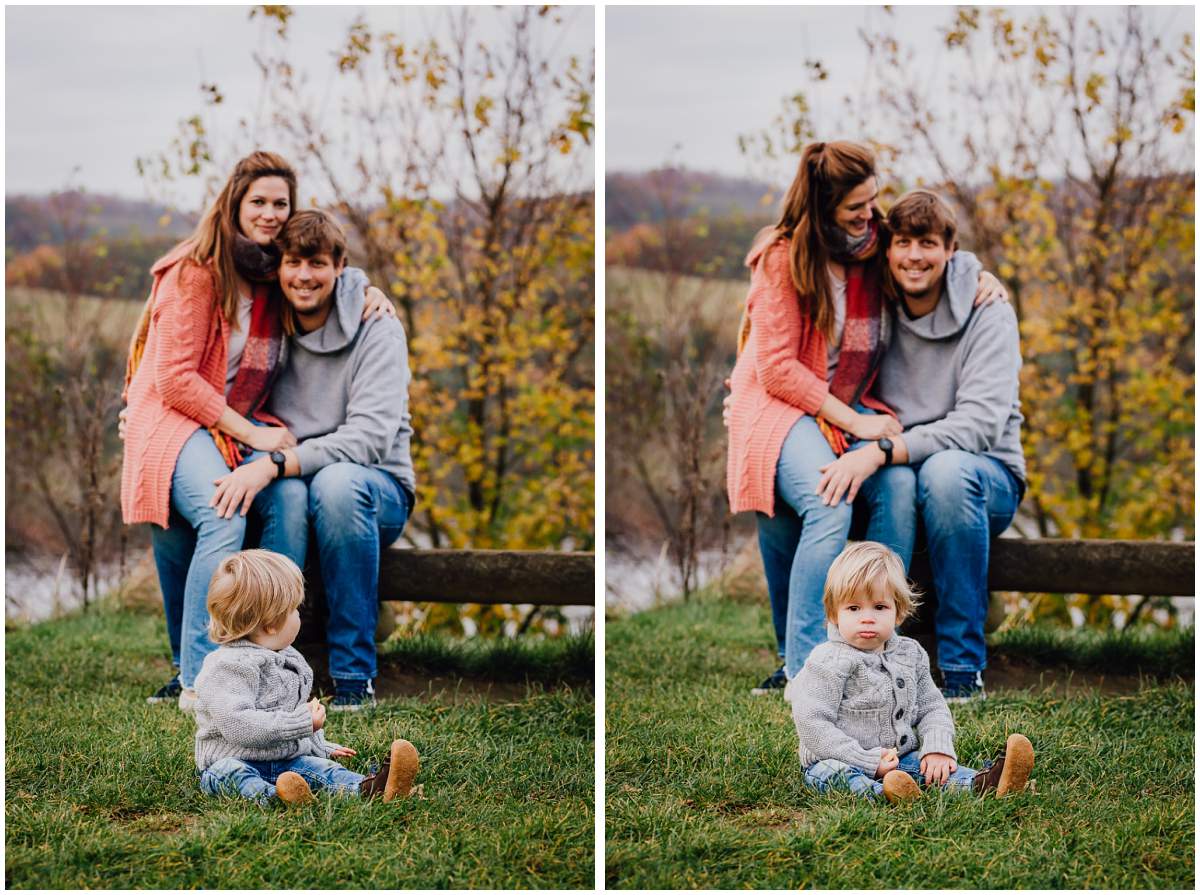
point(683, 82)
point(95, 87)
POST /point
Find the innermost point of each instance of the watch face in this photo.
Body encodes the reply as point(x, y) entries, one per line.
point(885, 444)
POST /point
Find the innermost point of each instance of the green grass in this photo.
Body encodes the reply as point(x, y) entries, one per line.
point(1143, 650)
point(704, 787)
point(101, 788)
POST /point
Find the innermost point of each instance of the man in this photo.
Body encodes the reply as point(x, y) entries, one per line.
point(951, 375)
point(343, 393)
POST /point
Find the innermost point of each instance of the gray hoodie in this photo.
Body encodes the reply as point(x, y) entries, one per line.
point(343, 391)
point(952, 376)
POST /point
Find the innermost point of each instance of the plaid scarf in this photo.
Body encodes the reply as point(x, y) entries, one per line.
point(260, 361)
point(861, 349)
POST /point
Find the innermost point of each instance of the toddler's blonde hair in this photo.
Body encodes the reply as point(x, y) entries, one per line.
point(251, 590)
point(870, 568)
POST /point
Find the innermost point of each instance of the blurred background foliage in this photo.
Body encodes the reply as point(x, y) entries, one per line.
point(1067, 148)
point(462, 171)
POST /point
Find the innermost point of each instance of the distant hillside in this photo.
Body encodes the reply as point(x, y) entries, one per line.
point(31, 221)
point(650, 196)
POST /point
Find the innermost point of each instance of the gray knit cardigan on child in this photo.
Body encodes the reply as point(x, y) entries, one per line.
point(851, 705)
point(252, 704)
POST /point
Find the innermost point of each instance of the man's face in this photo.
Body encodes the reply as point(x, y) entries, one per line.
point(308, 282)
point(918, 262)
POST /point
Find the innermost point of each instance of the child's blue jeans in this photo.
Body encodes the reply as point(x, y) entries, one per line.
point(255, 780)
point(830, 774)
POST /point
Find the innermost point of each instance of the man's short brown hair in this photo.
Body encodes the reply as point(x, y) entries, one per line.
point(310, 233)
point(920, 213)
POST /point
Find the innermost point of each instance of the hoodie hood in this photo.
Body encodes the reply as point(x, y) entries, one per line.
point(953, 311)
point(344, 320)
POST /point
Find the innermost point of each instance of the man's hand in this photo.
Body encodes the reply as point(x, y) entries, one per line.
point(937, 767)
point(889, 761)
point(845, 475)
point(343, 752)
point(318, 713)
point(240, 487)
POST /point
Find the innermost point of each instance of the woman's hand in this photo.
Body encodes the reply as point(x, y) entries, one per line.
point(270, 438)
point(377, 305)
point(121, 418)
point(937, 767)
point(236, 490)
point(990, 290)
point(846, 474)
point(873, 426)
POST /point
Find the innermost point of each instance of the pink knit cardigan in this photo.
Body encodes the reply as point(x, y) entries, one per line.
point(178, 387)
point(779, 377)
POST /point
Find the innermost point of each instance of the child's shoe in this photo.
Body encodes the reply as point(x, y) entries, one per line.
point(1010, 771)
point(900, 787)
point(352, 696)
point(293, 789)
point(395, 776)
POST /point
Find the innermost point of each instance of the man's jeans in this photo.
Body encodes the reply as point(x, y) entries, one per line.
point(187, 553)
point(355, 511)
point(255, 780)
point(832, 774)
point(963, 500)
point(801, 541)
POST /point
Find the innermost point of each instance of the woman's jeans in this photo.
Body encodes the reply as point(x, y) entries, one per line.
point(355, 511)
point(832, 774)
point(962, 500)
point(255, 780)
point(800, 542)
point(188, 551)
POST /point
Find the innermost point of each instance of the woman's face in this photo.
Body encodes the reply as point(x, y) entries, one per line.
point(853, 213)
point(264, 209)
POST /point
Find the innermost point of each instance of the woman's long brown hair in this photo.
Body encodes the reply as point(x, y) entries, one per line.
point(827, 173)
point(213, 239)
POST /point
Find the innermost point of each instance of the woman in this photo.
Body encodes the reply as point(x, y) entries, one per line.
point(200, 367)
point(812, 337)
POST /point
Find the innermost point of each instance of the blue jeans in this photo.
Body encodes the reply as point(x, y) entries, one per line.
point(800, 542)
point(255, 780)
point(355, 511)
point(188, 551)
point(962, 500)
point(830, 774)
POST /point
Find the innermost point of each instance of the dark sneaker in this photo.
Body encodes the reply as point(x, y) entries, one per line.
point(293, 789)
point(1010, 771)
point(774, 684)
point(168, 692)
point(900, 787)
point(395, 776)
point(352, 696)
point(963, 686)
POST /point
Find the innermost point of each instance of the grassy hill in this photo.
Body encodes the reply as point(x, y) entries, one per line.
point(704, 788)
point(101, 789)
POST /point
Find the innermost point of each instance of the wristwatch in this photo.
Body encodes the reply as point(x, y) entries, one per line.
point(885, 445)
point(280, 461)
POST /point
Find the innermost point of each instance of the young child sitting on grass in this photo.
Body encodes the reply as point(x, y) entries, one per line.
point(865, 701)
point(258, 735)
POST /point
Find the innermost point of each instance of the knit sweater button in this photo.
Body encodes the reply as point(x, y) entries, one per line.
point(900, 682)
point(903, 739)
point(899, 714)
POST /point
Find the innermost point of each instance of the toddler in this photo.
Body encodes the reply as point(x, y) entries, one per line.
point(258, 735)
point(867, 711)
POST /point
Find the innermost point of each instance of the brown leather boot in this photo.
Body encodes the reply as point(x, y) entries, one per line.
point(395, 776)
point(900, 787)
point(1009, 772)
point(293, 789)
